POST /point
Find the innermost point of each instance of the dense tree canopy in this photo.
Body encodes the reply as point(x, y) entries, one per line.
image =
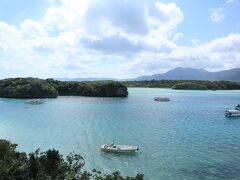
point(95, 88)
point(48, 165)
point(190, 86)
point(185, 84)
point(26, 88)
point(31, 88)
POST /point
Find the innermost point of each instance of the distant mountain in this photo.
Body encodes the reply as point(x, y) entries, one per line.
point(175, 74)
point(194, 74)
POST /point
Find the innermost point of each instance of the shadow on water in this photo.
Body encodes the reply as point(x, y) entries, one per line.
point(232, 118)
point(119, 154)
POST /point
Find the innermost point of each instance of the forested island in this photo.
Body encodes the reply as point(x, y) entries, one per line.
point(48, 165)
point(32, 88)
point(185, 84)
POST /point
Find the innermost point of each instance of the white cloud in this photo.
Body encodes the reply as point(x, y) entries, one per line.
point(218, 54)
point(178, 36)
point(32, 29)
point(217, 14)
point(164, 18)
point(195, 42)
point(107, 39)
point(231, 43)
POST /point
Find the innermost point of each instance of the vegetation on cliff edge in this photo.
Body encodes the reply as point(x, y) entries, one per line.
point(48, 165)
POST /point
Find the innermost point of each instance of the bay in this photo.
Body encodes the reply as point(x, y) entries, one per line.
point(186, 138)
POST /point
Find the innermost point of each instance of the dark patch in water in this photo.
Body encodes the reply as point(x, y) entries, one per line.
point(228, 170)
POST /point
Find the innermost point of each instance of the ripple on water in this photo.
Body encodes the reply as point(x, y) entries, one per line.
point(186, 138)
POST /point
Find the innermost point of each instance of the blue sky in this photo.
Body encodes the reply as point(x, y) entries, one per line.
point(120, 39)
point(13, 11)
point(197, 23)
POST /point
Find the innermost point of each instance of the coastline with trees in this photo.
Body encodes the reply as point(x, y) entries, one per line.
point(185, 84)
point(33, 88)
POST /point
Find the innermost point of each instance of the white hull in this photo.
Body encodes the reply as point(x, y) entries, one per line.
point(34, 101)
point(118, 148)
point(232, 113)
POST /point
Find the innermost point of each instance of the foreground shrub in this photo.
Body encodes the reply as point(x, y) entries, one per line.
point(50, 164)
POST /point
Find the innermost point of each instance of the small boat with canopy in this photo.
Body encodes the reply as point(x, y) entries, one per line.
point(233, 112)
point(119, 148)
point(34, 101)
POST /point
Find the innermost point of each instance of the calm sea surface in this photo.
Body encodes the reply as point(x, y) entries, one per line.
point(186, 138)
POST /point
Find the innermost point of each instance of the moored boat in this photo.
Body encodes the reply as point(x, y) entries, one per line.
point(232, 113)
point(119, 148)
point(34, 101)
point(162, 99)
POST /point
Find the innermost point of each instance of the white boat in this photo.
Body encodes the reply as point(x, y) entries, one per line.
point(118, 148)
point(232, 113)
point(34, 101)
point(161, 99)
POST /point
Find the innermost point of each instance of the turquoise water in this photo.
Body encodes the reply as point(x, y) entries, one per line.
point(186, 138)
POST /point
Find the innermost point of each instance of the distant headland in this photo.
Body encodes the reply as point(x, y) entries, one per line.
point(31, 88)
point(185, 84)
